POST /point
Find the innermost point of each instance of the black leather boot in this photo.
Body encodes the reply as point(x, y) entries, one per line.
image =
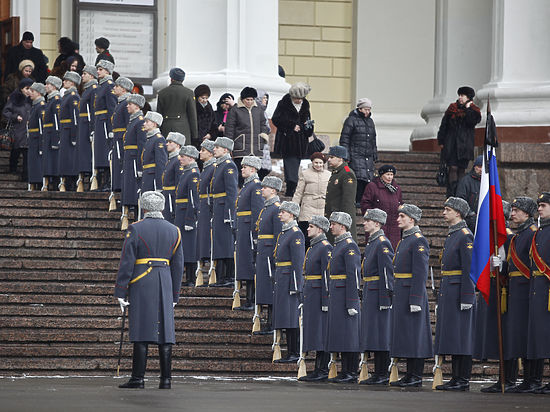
point(267, 328)
point(381, 364)
point(413, 377)
point(165, 360)
point(249, 303)
point(190, 274)
point(312, 376)
point(510, 377)
point(139, 362)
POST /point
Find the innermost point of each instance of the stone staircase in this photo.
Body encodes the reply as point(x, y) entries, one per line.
point(59, 256)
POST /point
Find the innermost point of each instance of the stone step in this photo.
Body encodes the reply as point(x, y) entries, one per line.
point(48, 233)
point(52, 264)
point(60, 223)
point(62, 244)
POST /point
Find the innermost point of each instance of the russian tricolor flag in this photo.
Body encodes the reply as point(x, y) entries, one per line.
point(490, 216)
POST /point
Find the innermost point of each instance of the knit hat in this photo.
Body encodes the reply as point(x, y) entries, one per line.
point(376, 215)
point(28, 36)
point(39, 87)
point(467, 91)
point(137, 99)
point(225, 142)
point(102, 43)
point(202, 90)
point(478, 160)
point(208, 145)
point(318, 155)
point(107, 65)
point(364, 102)
point(248, 92)
point(526, 204)
point(225, 96)
point(338, 151)
point(176, 137)
point(273, 182)
point(291, 208)
point(507, 209)
point(25, 63)
point(321, 222)
point(25, 82)
point(299, 90)
point(458, 204)
point(177, 74)
point(91, 70)
point(252, 161)
point(544, 197)
point(154, 117)
point(125, 83)
point(410, 210)
point(54, 81)
point(341, 217)
point(386, 168)
point(190, 151)
point(73, 77)
point(152, 201)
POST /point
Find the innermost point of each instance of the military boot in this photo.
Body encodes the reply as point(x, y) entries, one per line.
point(139, 362)
point(165, 360)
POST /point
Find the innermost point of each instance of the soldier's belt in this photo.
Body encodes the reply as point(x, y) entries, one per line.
point(515, 274)
point(338, 277)
point(217, 195)
point(48, 125)
point(148, 261)
point(83, 114)
point(451, 272)
point(244, 213)
point(119, 129)
point(130, 147)
point(538, 273)
point(313, 277)
point(66, 120)
point(34, 130)
point(185, 200)
point(205, 196)
point(370, 278)
point(403, 275)
point(100, 112)
point(283, 263)
point(266, 236)
point(168, 187)
point(150, 165)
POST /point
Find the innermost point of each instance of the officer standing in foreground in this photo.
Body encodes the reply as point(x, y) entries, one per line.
point(149, 282)
point(377, 271)
point(86, 122)
point(519, 274)
point(35, 129)
point(342, 187)
point(538, 332)
point(315, 319)
point(204, 229)
point(119, 121)
point(223, 188)
point(455, 314)
point(289, 257)
point(268, 228)
point(411, 330)
point(50, 150)
point(187, 208)
point(248, 206)
point(344, 317)
point(154, 155)
point(172, 172)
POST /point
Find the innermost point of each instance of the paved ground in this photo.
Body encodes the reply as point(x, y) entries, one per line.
point(243, 395)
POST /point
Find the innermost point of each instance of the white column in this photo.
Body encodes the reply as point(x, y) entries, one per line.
point(462, 57)
point(226, 44)
point(29, 17)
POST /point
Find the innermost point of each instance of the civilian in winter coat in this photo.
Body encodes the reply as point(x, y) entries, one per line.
point(311, 192)
point(456, 136)
point(292, 136)
point(25, 51)
point(223, 106)
point(11, 84)
point(384, 193)
point(359, 137)
point(468, 189)
point(205, 114)
point(17, 111)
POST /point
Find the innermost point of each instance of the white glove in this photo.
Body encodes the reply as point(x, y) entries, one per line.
point(73, 143)
point(415, 308)
point(173, 304)
point(385, 307)
point(292, 292)
point(140, 173)
point(496, 262)
point(466, 306)
point(226, 221)
point(188, 228)
point(352, 312)
point(123, 303)
point(324, 308)
point(111, 135)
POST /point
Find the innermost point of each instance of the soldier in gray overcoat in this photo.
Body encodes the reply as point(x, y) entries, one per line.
point(119, 121)
point(538, 332)
point(454, 331)
point(187, 209)
point(315, 319)
point(289, 257)
point(154, 155)
point(377, 269)
point(35, 128)
point(268, 228)
point(518, 275)
point(50, 148)
point(344, 317)
point(205, 200)
point(248, 206)
point(86, 122)
point(411, 330)
point(68, 133)
point(171, 175)
point(149, 282)
point(223, 188)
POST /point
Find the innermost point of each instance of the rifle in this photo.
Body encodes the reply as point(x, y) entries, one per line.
point(394, 372)
point(364, 374)
point(112, 201)
point(121, 339)
point(276, 347)
point(302, 371)
point(236, 295)
point(438, 373)
point(93, 179)
point(332, 370)
point(212, 269)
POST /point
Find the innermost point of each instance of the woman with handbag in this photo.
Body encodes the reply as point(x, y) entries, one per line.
point(294, 127)
point(16, 112)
